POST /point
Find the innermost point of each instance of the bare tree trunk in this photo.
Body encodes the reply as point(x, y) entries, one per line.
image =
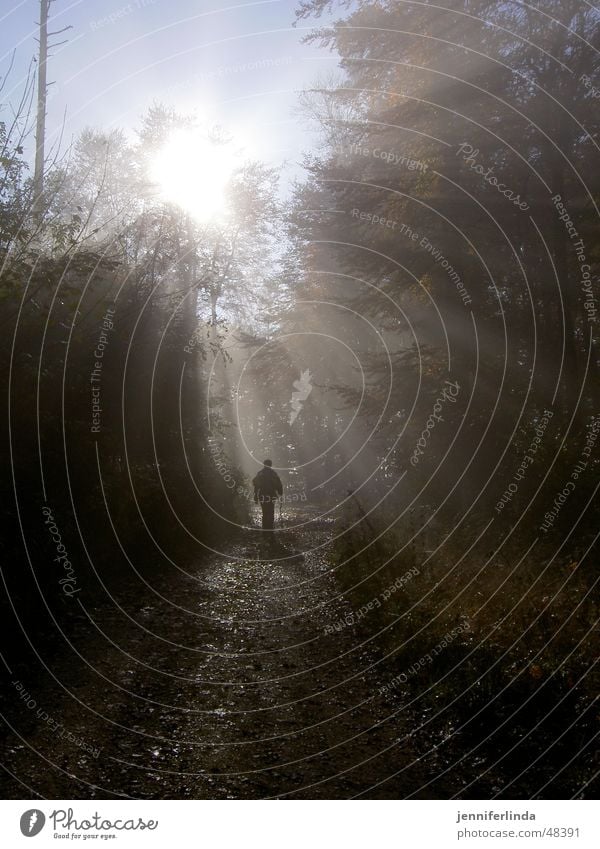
point(42, 91)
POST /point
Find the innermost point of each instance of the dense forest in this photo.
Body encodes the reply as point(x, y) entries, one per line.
point(408, 328)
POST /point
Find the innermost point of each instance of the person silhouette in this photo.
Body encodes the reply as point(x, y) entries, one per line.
point(267, 489)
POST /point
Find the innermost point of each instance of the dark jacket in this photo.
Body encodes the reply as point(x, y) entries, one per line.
point(267, 484)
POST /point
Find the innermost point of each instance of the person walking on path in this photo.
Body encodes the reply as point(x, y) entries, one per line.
point(267, 489)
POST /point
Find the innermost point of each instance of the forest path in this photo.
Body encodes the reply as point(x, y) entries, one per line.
point(228, 686)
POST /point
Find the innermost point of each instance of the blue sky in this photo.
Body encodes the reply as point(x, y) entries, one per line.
point(239, 65)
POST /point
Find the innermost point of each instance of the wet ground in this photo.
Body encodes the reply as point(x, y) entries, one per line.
point(219, 681)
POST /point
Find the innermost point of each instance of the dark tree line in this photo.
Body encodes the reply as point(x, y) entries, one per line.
point(457, 128)
point(110, 302)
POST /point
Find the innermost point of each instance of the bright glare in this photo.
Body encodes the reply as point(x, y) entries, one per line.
point(193, 172)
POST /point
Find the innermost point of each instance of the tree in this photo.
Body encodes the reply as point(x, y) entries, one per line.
point(446, 119)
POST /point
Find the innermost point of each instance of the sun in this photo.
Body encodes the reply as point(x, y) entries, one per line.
point(193, 172)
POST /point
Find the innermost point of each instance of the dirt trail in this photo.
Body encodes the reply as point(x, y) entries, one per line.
point(229, 686)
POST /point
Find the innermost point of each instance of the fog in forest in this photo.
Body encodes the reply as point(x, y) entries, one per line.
point(358, 240)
